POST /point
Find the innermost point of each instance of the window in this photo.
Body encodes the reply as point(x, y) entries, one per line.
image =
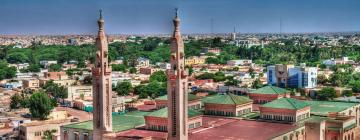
point(38, 133)
point(191, 126)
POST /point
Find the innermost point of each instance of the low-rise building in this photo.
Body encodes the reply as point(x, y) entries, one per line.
point(31, 83)
point(157, 120)
point(195, 60)
point(285, 110)
point(56, 75)
point(35, 130)
point(244, 62)
point(79, 92)
point(194, 102)
point(227, 105)
point(268, 94)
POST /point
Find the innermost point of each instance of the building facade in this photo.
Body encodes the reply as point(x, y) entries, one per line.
point(290, 76)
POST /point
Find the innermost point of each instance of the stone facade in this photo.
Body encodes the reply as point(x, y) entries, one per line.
point(177, 88)
point(101, 86)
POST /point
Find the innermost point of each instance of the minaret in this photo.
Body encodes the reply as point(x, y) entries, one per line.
point(102, 119)
point(177, 88)
point(233, 35)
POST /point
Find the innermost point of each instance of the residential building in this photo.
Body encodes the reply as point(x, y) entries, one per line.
point(82, 92)
point(31, 83)
point(194, 60)
point(244, 62)
point(35, 130)
point(142, 62)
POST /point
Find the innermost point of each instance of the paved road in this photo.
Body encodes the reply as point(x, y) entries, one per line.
point(82, 115)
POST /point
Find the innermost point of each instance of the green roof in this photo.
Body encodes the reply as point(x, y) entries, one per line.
point(324, 107)
point(228, 99)
point(190, 97)
point(286, 103)
point(163, 113)
point(120, 123)
point(270, 90)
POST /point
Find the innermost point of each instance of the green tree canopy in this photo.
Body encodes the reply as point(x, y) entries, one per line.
point(158, 76)
point(123, 88)
point(40, 105)
point(326, 93)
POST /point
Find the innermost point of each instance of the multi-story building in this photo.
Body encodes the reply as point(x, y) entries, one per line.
point(142, 62)
point(290, 76)
point(195, 60)
point(36, 130)
point(31, 83)
point(79, 92)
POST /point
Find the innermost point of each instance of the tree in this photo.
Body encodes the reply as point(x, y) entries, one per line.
point(16, 101)
point(347, 93)
point(321, 79)
point(49, 134)
point(56, 90)
point(232, 82)
point(159, 76)
point(55, 67)
point(6, 72)
point(190, 70)
point(123, 88)
point(327, 93)
point(256, 83)
point(132, 70)
point(40, 105)
point(118, 67)
point(355, 86)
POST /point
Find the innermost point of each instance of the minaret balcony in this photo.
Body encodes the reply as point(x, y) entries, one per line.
point(96, 71)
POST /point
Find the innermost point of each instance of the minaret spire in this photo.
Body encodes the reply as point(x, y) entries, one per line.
point(102, 118)
point(177, 87)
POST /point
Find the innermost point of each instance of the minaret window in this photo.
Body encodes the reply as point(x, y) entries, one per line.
point(174, 67)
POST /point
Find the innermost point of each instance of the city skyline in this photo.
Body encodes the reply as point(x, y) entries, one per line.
point(41, 17)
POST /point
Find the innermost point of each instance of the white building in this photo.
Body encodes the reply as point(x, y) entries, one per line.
point(239, 62)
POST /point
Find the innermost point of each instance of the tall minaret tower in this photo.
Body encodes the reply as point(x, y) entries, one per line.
point(177, 88)
point(102, 119)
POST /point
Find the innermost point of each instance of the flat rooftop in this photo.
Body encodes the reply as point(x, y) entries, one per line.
point(120, 122)
point(323, 108)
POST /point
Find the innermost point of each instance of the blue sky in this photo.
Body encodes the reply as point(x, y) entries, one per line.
point(154, 16)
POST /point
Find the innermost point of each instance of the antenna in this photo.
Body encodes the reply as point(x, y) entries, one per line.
point(212, 26)
point(280, 26)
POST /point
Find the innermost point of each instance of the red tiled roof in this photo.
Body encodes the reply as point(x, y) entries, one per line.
point(146, 107)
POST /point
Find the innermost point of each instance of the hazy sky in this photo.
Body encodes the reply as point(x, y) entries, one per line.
point(154, 16)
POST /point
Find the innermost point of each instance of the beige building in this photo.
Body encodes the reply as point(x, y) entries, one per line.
point(31, 83)
point(195, 60)
point(79, 92)
point(35, 130)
